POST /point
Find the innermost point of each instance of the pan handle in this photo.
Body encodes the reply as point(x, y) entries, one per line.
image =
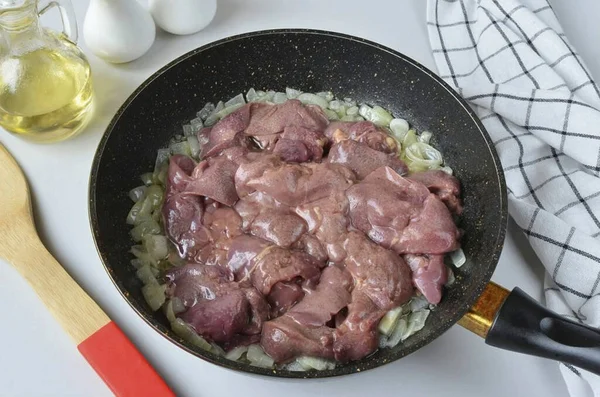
point(522, 325)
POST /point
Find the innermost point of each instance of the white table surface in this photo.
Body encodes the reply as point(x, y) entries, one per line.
point(38, 359)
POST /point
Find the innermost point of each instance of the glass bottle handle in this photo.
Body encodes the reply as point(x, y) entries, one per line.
point(67, 15)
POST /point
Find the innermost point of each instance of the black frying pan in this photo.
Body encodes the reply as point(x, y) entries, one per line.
point(350, 67)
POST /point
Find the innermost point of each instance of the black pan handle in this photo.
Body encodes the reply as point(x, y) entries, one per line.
point(523, 325)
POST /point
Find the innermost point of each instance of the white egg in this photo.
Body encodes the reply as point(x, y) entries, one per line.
point(183, 16)
point(118, 31)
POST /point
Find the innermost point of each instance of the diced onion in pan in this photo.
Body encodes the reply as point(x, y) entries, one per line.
point(187, 333)
point(327, 95)
point(236, 353)
point(207, 110)
point(458, 257)
point(331, 115)
point(425, 136)
point(154, 295)
point(399, 128)
point(258, 357)
point(236, 100)
point(146, 274)
point(320, 364)
point(379, 116)
point(140, 211)
point(422, 156)
point(279, 98)
point(312, 99)
point(251, 95)
point(418, 303)
point(396, 335)
point(292, 93)
point(196, 125)
point(388, 322)
point(157, 246)
point(138, 193)
point(143, 229)
point(416, 322)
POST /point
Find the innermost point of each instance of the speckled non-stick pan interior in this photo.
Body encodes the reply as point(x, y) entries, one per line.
point(310, 61)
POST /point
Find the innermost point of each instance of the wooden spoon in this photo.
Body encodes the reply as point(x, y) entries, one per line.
point(99, 339)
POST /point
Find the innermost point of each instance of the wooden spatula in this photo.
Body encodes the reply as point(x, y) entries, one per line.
point(100, 340)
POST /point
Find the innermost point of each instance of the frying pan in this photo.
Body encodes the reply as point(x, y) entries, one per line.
point(315, 61)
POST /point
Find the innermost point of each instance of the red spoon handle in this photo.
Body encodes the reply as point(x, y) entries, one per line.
point(121, 365)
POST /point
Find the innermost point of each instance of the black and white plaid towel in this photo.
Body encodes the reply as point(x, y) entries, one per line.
point(512, 62)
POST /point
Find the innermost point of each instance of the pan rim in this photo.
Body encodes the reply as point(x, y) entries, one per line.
point(347, 369)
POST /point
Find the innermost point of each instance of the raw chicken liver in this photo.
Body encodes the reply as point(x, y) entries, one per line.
point(301, 234)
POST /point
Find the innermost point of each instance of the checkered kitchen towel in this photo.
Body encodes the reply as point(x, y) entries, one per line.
point(512, 62)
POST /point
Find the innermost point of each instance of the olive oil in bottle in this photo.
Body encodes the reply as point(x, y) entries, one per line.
point(46, 92)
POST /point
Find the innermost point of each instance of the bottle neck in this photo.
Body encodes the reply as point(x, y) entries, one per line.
point(20, 23)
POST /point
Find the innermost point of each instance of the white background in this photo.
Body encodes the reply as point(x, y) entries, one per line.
point(37, 358)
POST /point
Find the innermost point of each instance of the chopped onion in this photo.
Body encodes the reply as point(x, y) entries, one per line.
point(180, 148)
point(335, 105)
point(194, 146)
point(458, 257)
point(146, 275)
point(425, 136)
point(147, 178)
point(399, 128)
point(141, 211)
point(236, 353)
point(258, 357)
point(352, 111)
point(365, 111)
point(447, 170)
point(138, 193)
point(422, 156)
point(279, 98)
point(140, 253)
point(196, 124)
point(341, 112)
point(154, 295)
point(292, 93)
point(352, 118)
point(327, 95)
point(144, 229)
point(331, 115)
point(236, 100)
point(220, 106)
point(416, 322)
point(388, 322)
point(218, 350)
point(187, 333)
point(212, 119)
point(320, 364)
point(396, 335)
point(188, 130)
point(206, 111)
point(154, 195)
point(409, 138)
point(265, 96)
point(295, 366)
point(251, 95)
point(418, 303)
point(169, 312)
point(312, 99)
point(350, 102)
point(379, 116)
point(157, 246)
point(161, 176)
